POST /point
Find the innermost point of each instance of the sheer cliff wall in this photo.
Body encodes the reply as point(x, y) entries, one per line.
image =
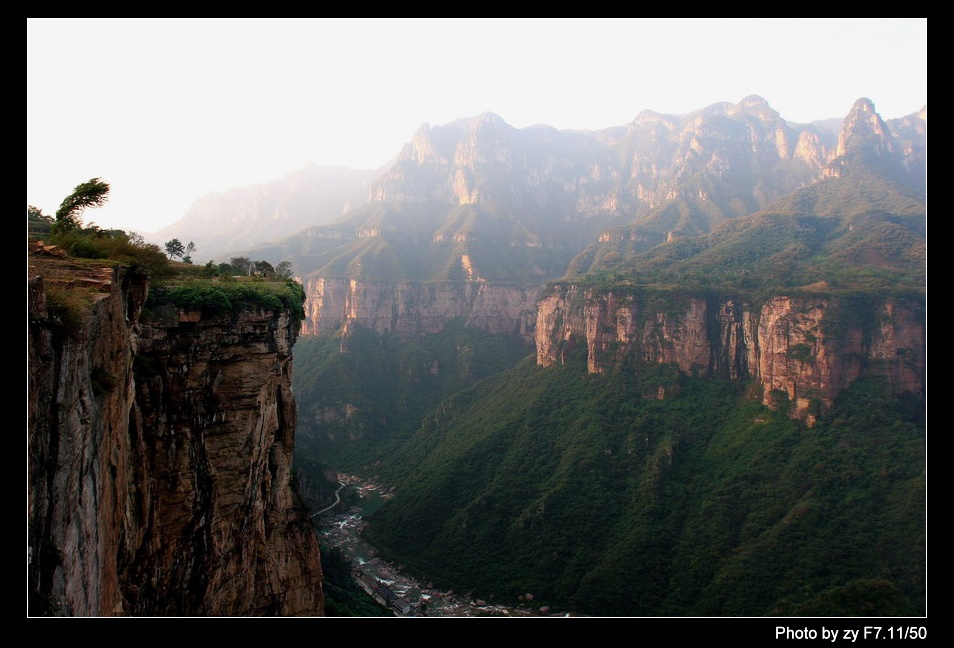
point(411, 309)
point(807, 348)
point(159, 462)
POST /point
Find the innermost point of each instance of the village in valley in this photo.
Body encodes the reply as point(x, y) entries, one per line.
point(393, 589)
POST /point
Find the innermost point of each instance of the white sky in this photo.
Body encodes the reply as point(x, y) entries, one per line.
point(169, 110)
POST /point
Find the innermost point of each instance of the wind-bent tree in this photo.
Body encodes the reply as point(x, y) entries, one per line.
point(92, 193)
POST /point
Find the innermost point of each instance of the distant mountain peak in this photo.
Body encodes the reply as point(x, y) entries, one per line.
point(862, 133)
point(490, 117)
point(756, 106)
point(863, 105)
point(754, 100)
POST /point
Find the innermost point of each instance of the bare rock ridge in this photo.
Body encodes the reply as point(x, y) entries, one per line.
point(159, 463)
point(625, 171)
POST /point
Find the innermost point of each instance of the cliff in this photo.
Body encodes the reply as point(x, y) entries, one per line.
point(411, 309)
point(807, 348)
point(159, 458)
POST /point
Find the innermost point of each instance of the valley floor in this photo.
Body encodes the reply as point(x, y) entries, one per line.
point(343, 530)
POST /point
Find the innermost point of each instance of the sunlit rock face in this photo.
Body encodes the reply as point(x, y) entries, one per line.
point(159, 464)
point(754, 154)
point(411, 309)
point(805, 350)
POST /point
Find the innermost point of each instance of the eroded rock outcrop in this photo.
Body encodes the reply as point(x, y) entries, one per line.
point(740, 157)
point(412, 309)
point(807, 348)
point(159, 463)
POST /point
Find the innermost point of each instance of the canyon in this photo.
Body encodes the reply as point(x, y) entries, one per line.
point(727, 244)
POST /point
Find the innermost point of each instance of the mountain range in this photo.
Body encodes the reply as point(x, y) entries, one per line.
point(481, 188)
point(626, 370)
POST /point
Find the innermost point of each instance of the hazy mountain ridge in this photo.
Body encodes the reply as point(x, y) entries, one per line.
point(227, 222)
point(520, 190)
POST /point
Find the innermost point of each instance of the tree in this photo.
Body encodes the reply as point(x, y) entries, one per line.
point(264, 269)
point(38, 223)
point(242, 265)
point(93, 193)
point(187, 254)
point(36, 214)
point(284, 269)
point(174, 248)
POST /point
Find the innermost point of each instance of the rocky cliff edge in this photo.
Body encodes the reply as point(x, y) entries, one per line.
point(159, 458)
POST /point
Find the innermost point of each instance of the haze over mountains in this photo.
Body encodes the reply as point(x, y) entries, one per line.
point(550, 192)
point(640, 371)
point(221, 222)
point(662, 368)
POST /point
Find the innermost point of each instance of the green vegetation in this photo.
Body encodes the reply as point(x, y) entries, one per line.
point(175, 249)
point(361, 395)
point(591, 494)
point(114, 247)
point(92, 193)
point(343, 597)
point(84, 250)
point(68, 310)
point(862, 231)
point(242, 266)
point(67, 233)
point(38, 223)
point(214, 297)
point(801, 352)
point(771, 253)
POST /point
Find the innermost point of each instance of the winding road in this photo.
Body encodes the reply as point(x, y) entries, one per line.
point(336, 502)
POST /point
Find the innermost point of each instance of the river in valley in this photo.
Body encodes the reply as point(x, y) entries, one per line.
point(343, 530)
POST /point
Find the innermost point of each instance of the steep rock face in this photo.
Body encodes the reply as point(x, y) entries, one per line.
point(900, 142)
point(807, 348)
point(744, 155)
point(739, 156)
point(160, 464)
point(910, 135)
point(811, 349)
point(412, 309)
point(485, 161)
point(82, 462)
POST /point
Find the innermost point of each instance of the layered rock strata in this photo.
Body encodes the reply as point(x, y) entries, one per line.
point(159, 463)
point(411, 309)
point(807, 348)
